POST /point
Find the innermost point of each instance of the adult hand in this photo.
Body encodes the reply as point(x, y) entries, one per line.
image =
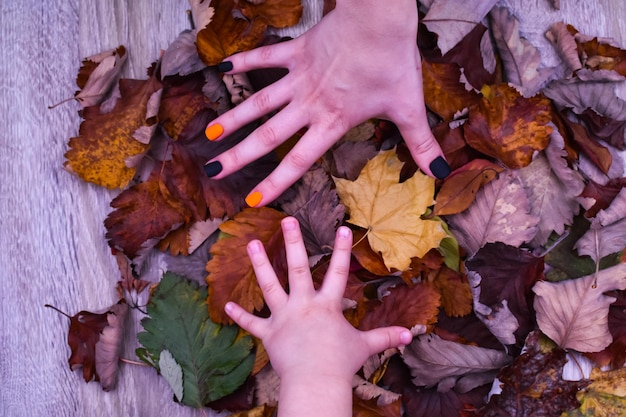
point(360, 62)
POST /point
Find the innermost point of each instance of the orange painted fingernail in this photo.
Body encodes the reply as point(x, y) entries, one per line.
point(253, 199)
point(213, 132)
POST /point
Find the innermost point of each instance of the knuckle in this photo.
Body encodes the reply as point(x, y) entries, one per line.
point(298, 160)
point(267, 136)
point(262, 101)
point(300, 270)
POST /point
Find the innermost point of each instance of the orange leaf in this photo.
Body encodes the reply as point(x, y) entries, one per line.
point(456, 296)
point(231, 277)
point(459, 189)
point(109, 144)
point(444, 93)
point(508, 126)
point(240, 26)
point(365, 255)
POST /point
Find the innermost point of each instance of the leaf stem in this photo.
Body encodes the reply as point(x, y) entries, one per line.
point(132, 362)
point(58, 311)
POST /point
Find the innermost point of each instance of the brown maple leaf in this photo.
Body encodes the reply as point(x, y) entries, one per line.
point(111, 143)
point(231, 277)
point(405, 306)
point(240, 25)
point(147, 212)
point(181, 101)
point(507, 126)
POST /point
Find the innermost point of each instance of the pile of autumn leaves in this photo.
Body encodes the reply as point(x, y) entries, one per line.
point(520, 246)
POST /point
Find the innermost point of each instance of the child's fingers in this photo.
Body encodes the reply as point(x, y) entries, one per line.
point(300, 281)
point(253, 324)
point(266, 277)
point(387, 337)
point(336, 277)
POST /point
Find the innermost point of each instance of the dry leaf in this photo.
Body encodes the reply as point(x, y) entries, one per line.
point(459, 189)
point(392, 211)
point(452, 20)
point(231, 277)
point(108, 144)
point(521, 60)
point(98, 74)
point(507, 126)
point(574, 313)
point(500, 213)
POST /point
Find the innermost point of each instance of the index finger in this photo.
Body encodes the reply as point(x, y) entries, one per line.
point(336, 277)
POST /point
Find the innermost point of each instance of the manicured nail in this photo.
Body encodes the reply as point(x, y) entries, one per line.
point(213, 168)
point(253, 199)
point(213, 132)
point(440, 168)
point(225, 66)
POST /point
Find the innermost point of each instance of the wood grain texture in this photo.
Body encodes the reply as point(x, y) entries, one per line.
point(52, 246)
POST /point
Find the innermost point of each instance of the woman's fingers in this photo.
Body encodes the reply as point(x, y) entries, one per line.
point(273, 292)
point(279, 55)
point(260, 142)
point(258, 105)
point(315, 142)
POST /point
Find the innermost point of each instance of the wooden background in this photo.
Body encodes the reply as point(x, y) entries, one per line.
point(52, 246)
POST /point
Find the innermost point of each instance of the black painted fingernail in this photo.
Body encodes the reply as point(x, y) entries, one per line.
point(225, 66)
point(212, 168)
point(440, 168)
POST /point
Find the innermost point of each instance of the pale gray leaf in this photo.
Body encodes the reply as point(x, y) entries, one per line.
point(574, 313)
point(172, 373)
point(498, 318)
point(452, 20)
point(109, 346)
point(521, 60)
point(317, 208)
point(181, 57)
point(500, 213)
point(553, 202)
point(599, 241)
point(432, 359)
point(103, 78)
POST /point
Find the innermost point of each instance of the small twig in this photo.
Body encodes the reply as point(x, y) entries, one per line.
point(132, 362)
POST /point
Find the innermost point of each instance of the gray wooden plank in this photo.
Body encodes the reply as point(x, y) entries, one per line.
point(52, 246)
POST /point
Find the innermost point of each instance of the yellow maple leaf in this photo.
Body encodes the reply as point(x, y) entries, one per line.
point(391, 211)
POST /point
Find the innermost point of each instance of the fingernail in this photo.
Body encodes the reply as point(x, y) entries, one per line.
point(344, 232)
point(406, 337)
point(213, 168)
point(225, 66)
point(213, 132)
point(254, 247)
point(289, 224)
point(440, 168)
point(253, 199)
point(229, 307)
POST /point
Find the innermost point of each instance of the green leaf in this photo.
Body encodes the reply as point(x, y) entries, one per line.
point(215, 359)
point(172, 372)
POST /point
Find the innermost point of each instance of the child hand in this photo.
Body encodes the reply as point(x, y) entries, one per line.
point(307, 335)
point(360, 62)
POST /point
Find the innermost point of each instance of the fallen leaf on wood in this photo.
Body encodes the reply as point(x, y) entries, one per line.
point(98, 75)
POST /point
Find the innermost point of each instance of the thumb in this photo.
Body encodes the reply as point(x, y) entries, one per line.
point(387, 337)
